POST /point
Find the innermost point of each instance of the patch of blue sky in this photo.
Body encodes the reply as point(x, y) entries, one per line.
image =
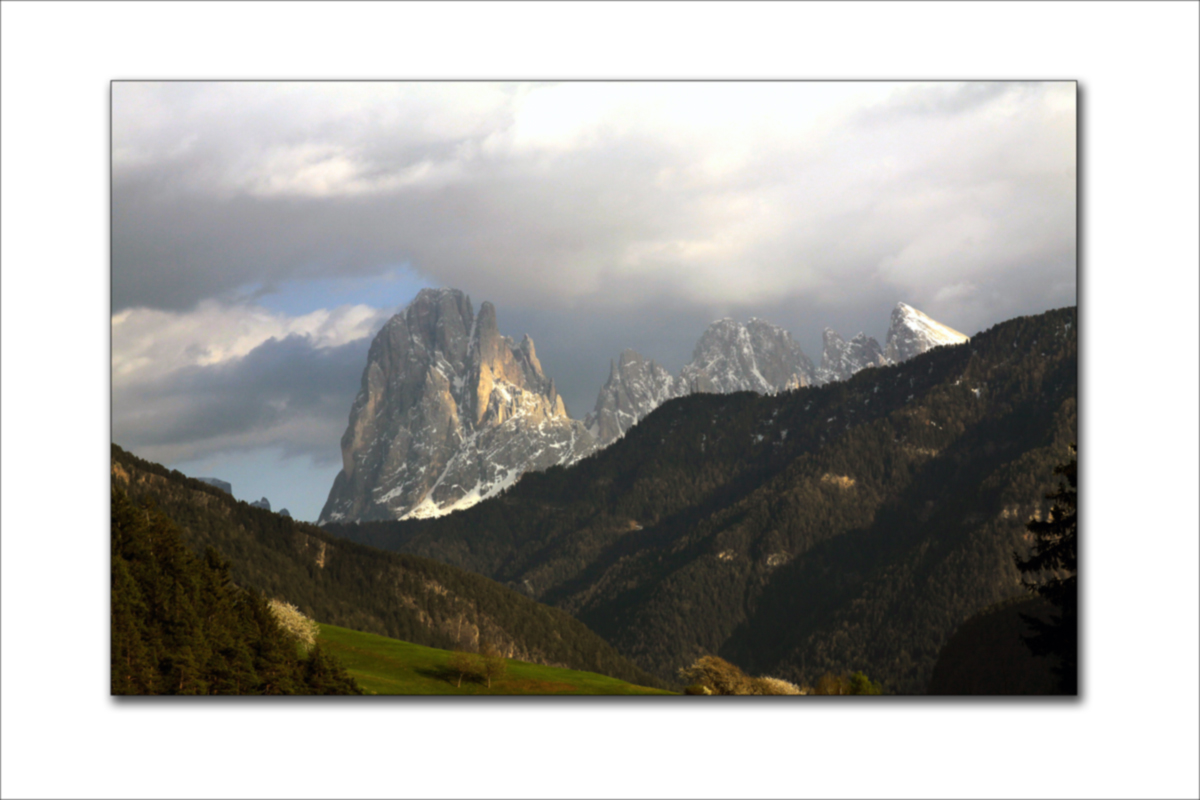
point(392, 288)
point(296, 483)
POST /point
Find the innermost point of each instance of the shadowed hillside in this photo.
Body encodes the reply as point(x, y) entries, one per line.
point(986, 655)
point(353, 586)
point(852, 526)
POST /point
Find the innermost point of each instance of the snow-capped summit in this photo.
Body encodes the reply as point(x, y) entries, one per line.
point(757, 357)
point(913, 332)
point(450, 412)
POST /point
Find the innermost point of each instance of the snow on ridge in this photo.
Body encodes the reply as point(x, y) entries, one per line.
point(921, 322)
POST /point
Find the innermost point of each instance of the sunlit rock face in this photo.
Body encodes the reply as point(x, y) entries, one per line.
point(449, 413)
point(913, 332)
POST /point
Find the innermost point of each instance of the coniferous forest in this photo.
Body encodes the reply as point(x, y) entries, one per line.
point(342, 583)
point(180, 625)
point(848, 528)
point(852, 526)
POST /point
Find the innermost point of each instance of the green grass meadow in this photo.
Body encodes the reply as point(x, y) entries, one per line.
point(390, 666)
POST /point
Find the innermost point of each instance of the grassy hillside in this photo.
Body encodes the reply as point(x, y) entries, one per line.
point(402, 596)
point(845, 527)
point(389, 666)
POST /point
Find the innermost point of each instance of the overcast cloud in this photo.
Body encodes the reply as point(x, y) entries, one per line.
point(594, 215)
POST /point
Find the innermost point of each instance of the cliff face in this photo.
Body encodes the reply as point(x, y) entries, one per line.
point(450, 412)
point(757, 357)
point(912, 333)
point(635, 387)
point(841, 359)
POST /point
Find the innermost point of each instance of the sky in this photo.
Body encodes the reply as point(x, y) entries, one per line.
point(263, 232)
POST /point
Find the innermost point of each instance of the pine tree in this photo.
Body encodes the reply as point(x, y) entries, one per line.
point(1051, 571)
point(181, 626)
point(324, 675)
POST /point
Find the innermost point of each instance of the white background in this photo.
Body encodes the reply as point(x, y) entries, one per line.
point(1133, 734)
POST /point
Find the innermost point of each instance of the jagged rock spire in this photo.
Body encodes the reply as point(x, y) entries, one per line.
point(449, 412)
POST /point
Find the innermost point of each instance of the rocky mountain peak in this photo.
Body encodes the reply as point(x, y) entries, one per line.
point(635, 387)
point(449, 412)
point(840, 359)
point(757, 356)
point(912, 332)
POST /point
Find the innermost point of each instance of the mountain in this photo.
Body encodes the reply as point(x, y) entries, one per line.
point(634, 388)
point(836, 528)
point(341, 583)
point(450, 412)
point(264, 504)
point(841, 359)
point(756, 357)
point(729, 357)
point(913, 333)
point(224, 486)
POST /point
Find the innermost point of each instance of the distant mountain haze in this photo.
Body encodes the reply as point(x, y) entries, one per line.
point(450, 412)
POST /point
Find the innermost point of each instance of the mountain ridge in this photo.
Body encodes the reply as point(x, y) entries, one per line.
point(342, 583)
point(699, 529)
point(450, 412)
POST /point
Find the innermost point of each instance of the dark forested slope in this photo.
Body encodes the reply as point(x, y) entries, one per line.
point(181, 626)
point(844, 527)
point(354, 586)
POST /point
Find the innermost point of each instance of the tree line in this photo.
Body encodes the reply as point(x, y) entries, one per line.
point(180, 625)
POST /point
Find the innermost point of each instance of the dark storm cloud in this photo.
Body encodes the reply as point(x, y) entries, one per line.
point(283, 393)
point(509, 222)
point(595, 216)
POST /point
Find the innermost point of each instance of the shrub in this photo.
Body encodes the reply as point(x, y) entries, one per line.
point(494, 664)
point(832, 684)
point(718, 675)
point(861, 684)
point(466, 665)
point(858, 683)
point(769, 685)
point(294, 622)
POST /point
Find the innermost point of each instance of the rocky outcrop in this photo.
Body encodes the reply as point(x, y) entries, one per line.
point(841, 359)
point(449, 412)
point(730, 357)
point(224, 486)
point(757, 357)
point(635, 387)
point(264, 504)
point(913, 333)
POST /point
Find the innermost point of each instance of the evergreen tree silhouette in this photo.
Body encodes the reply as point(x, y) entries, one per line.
point(1051, 571)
